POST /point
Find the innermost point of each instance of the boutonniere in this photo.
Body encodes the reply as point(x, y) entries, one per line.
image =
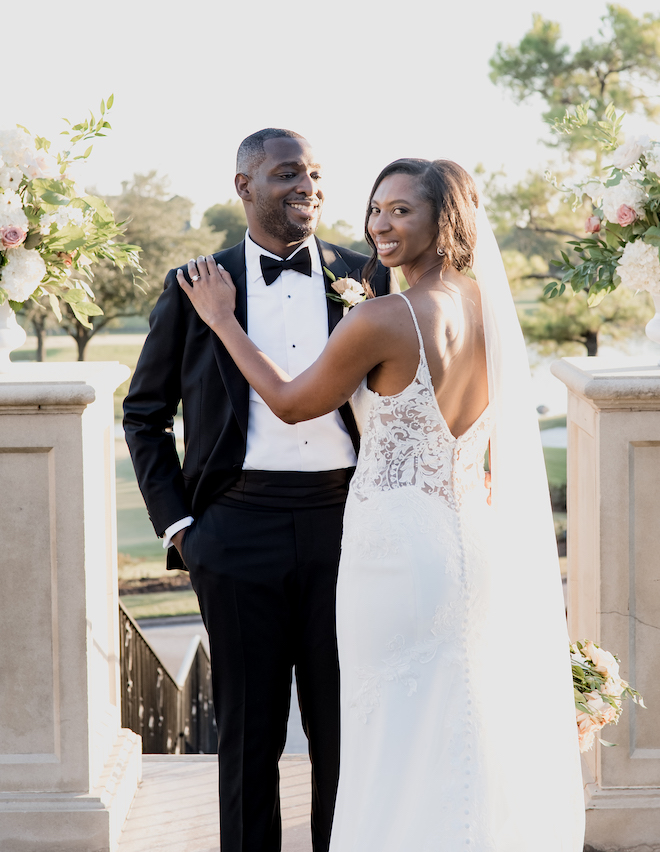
point(349, 291)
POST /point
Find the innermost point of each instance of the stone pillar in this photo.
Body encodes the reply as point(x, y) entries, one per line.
point(614, 579)
point(68, 771)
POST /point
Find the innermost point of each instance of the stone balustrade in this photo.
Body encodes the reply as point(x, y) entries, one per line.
point(614, 580)
point(68, 771)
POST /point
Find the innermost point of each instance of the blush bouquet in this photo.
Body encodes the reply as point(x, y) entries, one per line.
point(599, 690)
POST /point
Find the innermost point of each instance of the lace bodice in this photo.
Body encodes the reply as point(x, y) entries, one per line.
point(406, 441)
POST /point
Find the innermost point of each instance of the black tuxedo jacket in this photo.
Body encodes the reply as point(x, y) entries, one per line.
point(184, 361)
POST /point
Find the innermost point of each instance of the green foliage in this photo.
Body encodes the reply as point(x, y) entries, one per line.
point(228, 221)
point(161, 226)
point(341, 234)
point(565, 325)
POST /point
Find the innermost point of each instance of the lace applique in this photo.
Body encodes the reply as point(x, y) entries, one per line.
point(406, 442)
point(398, 667)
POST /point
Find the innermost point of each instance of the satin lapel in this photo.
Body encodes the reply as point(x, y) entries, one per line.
point(233, 260)
point(332, 260)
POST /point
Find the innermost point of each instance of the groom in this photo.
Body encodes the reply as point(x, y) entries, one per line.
point(255, 513)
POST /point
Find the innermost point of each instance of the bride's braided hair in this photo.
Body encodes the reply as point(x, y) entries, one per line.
point(453, 197)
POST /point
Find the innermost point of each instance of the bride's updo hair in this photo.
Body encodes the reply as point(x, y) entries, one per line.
point(453, 197)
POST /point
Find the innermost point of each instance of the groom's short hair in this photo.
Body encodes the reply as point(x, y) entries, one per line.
point(251, 151)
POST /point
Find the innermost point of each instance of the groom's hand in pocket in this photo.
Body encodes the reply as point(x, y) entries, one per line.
point(177, 539)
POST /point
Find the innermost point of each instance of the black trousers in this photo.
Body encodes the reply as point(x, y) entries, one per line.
point(265, 578)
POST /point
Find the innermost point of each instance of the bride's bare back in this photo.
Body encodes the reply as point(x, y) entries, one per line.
point(449, 315)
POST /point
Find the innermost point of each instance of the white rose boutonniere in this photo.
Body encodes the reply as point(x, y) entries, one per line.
point(350, 292)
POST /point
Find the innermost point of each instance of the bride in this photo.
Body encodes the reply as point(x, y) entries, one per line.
point(458, 724)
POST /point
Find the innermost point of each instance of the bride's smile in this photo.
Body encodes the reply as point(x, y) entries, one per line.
point(400, 223)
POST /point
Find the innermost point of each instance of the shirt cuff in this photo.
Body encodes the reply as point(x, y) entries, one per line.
point(173, 529)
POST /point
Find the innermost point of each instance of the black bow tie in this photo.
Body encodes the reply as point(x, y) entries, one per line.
point(271, 267)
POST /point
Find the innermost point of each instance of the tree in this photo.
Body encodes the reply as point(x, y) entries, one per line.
point(611, 69)
point(161, 227)
point(40, 317)
point(530, 217)
point(566, 323)
point(227, 221)
point(341, 234)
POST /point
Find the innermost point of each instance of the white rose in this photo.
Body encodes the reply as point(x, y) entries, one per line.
point(350, 290)
point(626, 192)
point(603, 661)
point(23, 273)
point(628, 154)
point(613, 687)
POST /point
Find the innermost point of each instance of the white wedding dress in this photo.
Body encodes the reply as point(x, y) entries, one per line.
point(436, 754)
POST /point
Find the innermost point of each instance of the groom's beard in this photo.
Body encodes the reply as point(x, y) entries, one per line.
point(274, 220)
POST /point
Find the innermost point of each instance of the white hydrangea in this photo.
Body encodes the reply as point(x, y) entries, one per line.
point(41, 165)
point(626, 192)
point(11, 210)
point(16, 148)
point(639, 267)
point(23, 273)
point(60, 218)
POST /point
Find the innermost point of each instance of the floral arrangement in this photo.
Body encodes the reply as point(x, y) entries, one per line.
point(50, 231)
point(350, 292)
point(622, 245)
point(599, 690)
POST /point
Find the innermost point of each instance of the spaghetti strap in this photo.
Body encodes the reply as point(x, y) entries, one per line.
point(422, 351)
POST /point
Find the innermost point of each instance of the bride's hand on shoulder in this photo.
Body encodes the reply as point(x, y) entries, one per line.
point(212, 292)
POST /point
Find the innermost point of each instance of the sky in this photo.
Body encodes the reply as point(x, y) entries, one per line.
point(365, 82)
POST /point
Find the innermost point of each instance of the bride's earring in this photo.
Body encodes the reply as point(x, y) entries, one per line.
point(440, 251)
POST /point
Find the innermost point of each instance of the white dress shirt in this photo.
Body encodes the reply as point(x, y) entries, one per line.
point(288, 321)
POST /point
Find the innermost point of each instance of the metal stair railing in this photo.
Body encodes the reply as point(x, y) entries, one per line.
point(173, 716)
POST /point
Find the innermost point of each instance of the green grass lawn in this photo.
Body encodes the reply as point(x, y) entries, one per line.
point(552, 422)
point(555, 464)
point(161, 604)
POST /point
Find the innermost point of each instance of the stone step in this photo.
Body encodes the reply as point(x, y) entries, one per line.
point(176, 806)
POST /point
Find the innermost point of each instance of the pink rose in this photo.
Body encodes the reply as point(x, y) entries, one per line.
point(12, 236)
point(625, 215)
point(592, 225)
